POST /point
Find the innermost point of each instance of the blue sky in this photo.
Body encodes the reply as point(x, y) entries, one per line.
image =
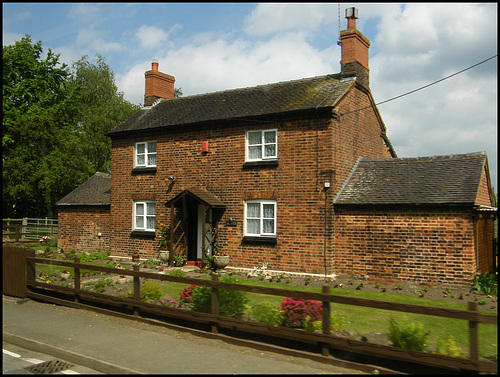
point(210, 47)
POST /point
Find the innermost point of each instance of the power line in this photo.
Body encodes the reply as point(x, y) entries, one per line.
point(423, 87)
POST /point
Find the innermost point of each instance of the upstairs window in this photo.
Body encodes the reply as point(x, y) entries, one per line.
point(260, 218)
point(144, 215)
point(262, 145)
point(145, 154)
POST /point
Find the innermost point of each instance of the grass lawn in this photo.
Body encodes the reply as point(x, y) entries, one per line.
point(367, 320)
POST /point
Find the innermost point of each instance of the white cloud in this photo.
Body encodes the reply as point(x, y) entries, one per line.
point(151, 37)
point(10, 38)
point(271, 18)
point(93, 39)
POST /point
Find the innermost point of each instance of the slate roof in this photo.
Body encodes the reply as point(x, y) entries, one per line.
point(200, 195)
point(277, 98)
point(436, 180)
point(94, 191)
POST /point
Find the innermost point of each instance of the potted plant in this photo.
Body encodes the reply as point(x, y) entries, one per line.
point(122, 279)
point(221, 260)
point(65, 275)
point(164, 243)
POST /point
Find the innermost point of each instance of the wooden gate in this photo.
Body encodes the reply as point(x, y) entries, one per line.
point(14, 269)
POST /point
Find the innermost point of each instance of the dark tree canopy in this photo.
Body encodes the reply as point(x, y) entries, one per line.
point(54, 124)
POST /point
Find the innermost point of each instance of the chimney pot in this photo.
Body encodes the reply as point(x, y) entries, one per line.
point(154, 65)
point(351, 14)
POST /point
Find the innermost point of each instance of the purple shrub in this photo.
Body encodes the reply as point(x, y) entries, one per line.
point(295, 311)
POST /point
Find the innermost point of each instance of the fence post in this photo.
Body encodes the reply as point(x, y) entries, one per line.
point(473, 333)
point(77, 280)
point(137, 289)
point(325, 314)
point(215, 303)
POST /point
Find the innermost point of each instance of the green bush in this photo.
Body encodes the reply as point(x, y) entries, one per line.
point(150, 291)
point(337, 323)
point(410, 335)
point(486, 283)
point(102, 283)
point(231, 302)
point(266, 313)
point(448, 347)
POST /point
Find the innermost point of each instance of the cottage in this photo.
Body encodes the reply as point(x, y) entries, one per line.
point(266, 174)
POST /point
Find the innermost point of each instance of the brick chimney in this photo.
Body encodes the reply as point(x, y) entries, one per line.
point(354, 47)
point(158, 85)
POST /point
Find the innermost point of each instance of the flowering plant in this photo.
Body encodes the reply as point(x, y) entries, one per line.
point(122, 276)
point(65, 272)
point(169, 302)
point(44, 240)
point(295, 311)
point(220, 254)
point(186, 293)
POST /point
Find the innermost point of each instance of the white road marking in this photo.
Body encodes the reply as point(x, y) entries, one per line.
point(11, 353)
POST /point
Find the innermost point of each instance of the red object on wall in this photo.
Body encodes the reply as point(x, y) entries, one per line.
point(205, 146)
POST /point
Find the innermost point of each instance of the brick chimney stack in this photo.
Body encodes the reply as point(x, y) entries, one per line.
point(158, 85)
point(354, 47)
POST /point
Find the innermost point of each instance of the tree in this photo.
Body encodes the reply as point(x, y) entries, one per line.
point(101, 107)
point(37, 119)
point(54, 126)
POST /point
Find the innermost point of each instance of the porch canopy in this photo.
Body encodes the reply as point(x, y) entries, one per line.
point(182, 221)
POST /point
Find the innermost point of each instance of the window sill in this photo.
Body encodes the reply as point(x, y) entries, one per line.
point(260, 240)
point(143, 234)
point(144, 170)
point(261, 164)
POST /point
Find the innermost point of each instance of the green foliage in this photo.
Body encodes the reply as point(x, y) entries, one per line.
point(486, 283)
point(103, 283)
point(54, 126)
point(231, 302)
point(448, 347)
point(178, 273)
point(266, 313)
point(409, 335)
point(337, 323)
point(150, 291)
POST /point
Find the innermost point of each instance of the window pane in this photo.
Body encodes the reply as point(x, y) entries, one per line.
point(150, 222)
point(253, 226)
point(254, 138)
point(139, 209)
point(270, 150)
point(151, 159)
point(140, 160)
point(139, 222)
point(253, 210)
point(140, 148)
point(151, 208)
point(152, 147)
point(268, 226)
point(254, 152)
point(270, 137)
point(269, 211)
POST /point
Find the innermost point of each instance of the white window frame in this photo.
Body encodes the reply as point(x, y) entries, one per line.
point(146, 154)
point(261, 218)
point(262, 145)
point(144, 215)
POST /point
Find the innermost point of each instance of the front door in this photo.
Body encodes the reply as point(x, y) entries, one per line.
point(208, 231)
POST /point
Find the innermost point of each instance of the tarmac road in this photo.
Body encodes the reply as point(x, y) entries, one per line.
point(114, 345)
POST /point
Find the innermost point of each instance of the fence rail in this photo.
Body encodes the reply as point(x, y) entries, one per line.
point(76, 296)
point(28, 233)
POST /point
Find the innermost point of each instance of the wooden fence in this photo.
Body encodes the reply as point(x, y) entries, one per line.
point(76, 297)
point(29, 233)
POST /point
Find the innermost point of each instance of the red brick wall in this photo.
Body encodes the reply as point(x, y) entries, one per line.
point(484, 241)
point(430, 247)
point(306, 149)
point(79, 226)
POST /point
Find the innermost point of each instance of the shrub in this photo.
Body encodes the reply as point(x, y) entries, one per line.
point(410, 335)
point(178, 273)
point(337, 323)
point(231, 302)
point(186, 294)
point(486, 283)
point(266, 313)
point(295, 311)
point(449, 348)
point(150, 291)
point(102, 283)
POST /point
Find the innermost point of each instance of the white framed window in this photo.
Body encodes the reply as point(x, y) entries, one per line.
point(260, 218)
point(145, 154)
point(144, 215)
point(262, 145)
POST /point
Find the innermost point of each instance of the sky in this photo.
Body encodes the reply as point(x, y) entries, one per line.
point(211, 47)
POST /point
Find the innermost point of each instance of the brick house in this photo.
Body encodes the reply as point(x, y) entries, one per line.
point(253, 171)
point(84, 217)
